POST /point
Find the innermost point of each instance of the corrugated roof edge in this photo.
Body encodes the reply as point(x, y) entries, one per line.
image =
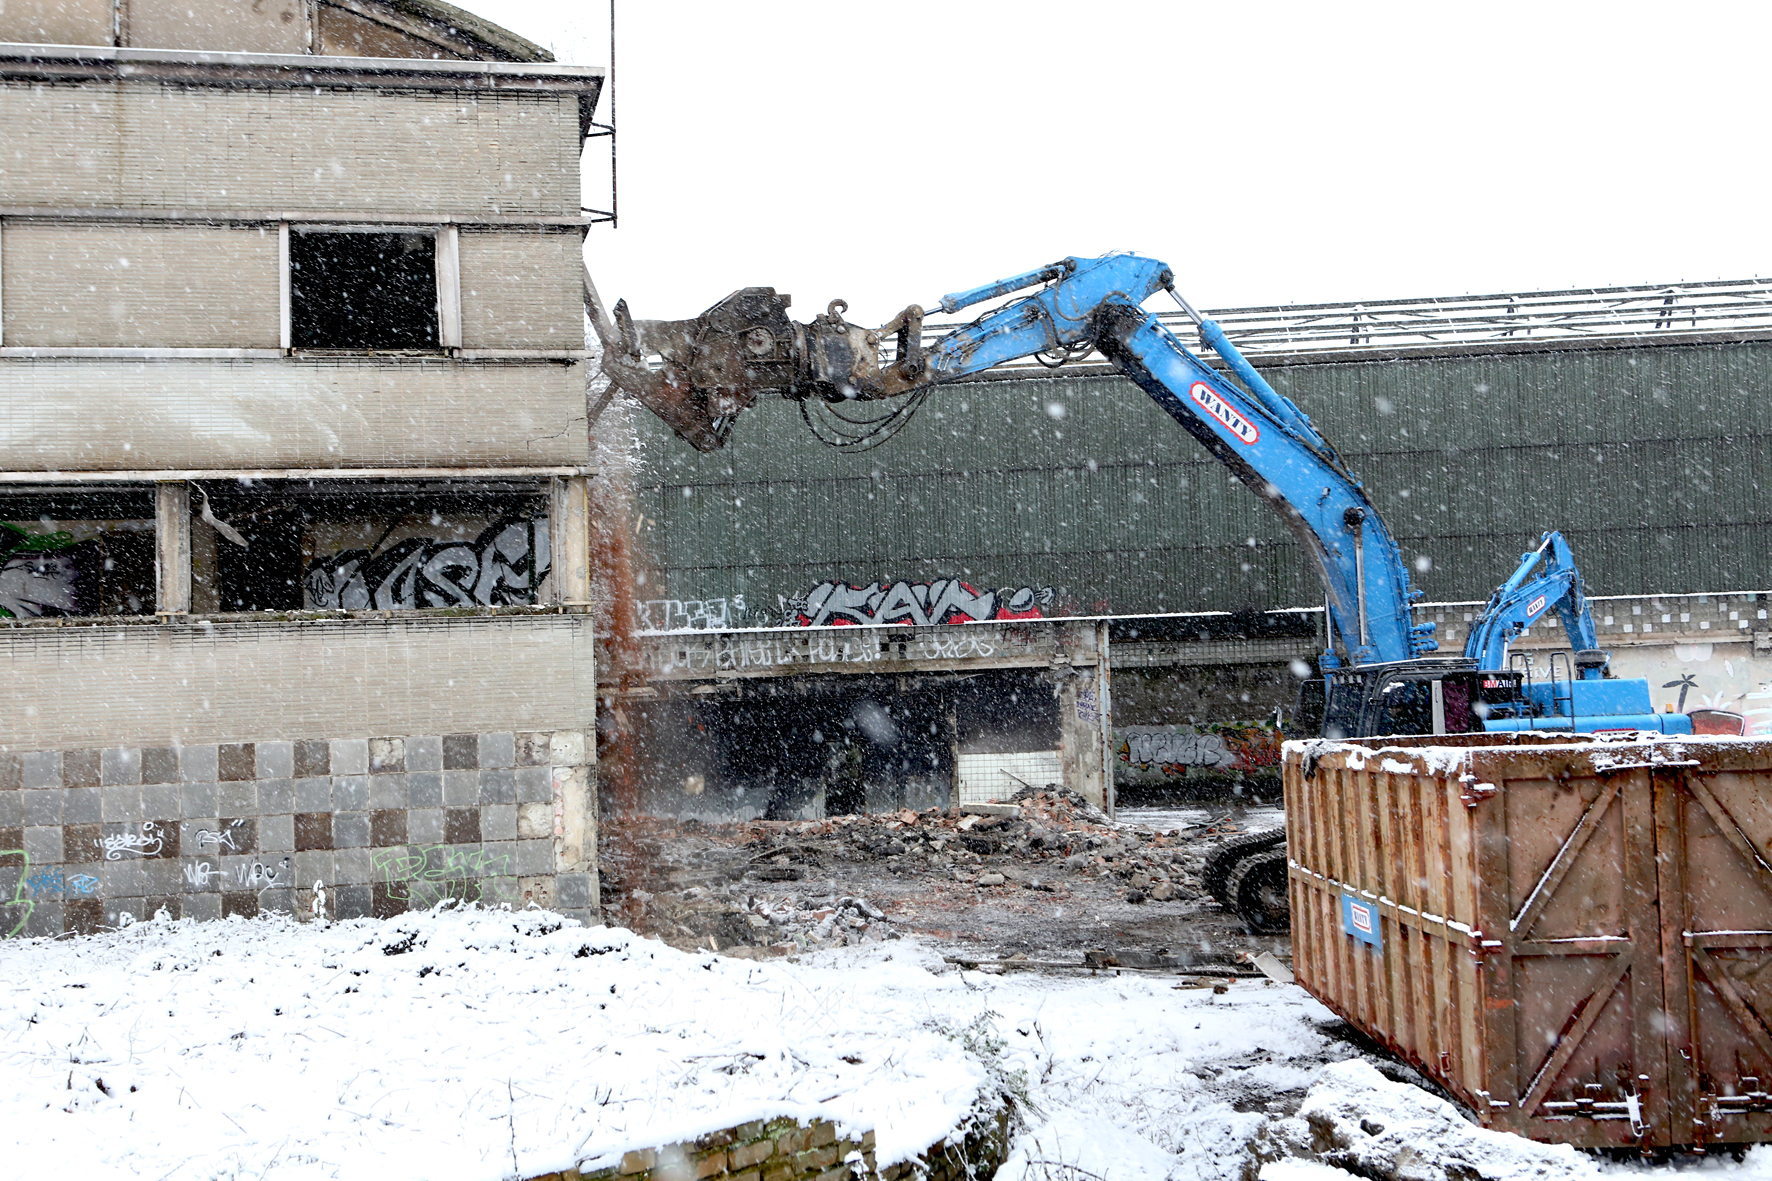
point(480, 29)
point(1371, 354)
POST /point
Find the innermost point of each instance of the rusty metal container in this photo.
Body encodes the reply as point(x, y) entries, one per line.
point(1572, 935)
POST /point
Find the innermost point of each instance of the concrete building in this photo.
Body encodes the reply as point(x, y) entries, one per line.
point(293, 462)
point(1073, 526)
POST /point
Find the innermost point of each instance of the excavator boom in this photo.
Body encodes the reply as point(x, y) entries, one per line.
point(699, 374)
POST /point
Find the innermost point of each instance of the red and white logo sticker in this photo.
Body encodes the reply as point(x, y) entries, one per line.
point(1208, 400)
point(1533, 608)
point(1362, 916)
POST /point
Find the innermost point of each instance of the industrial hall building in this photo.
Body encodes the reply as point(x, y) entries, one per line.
point(293, 463)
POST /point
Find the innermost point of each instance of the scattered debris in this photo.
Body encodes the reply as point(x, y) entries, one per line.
point(1272, 968)
point(762, 887)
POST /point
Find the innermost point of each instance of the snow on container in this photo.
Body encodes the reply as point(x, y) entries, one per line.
point(1571, 934)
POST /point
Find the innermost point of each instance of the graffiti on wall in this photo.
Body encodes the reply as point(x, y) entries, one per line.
point(39, 584)
point(145, 843)
point(49, 574)
point(1153, 754)
point(946, 600)
point(50, 881)
point(1730, 676)
point(15, 911)
point(677, 615)
point(437, 872)
point(735, 653)
point(502, 567)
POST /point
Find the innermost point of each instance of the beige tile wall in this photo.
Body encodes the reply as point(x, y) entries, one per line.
point(89, 414)
point(128, 144)
point(522, 291)
point(167, 685)
point(110, 285)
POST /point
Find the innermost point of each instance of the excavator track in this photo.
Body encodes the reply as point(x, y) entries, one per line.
point(1223, 861)
point(1257, 890)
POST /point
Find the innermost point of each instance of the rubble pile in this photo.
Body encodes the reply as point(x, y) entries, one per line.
point(780, 887)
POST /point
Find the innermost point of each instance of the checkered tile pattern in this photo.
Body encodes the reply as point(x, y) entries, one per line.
point(379, 825)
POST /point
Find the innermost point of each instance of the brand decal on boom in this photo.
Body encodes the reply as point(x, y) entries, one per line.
point(1534, 607)
point(1207, 398)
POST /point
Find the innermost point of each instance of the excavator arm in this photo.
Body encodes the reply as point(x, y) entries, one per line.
point(1526, 597)
point(699, 374)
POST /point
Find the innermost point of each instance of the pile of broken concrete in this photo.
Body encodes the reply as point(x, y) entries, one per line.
point(774, 885)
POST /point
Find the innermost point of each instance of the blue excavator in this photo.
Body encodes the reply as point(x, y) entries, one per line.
point(1377, 674)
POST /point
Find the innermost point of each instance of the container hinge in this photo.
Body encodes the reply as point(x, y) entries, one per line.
point(1588, 1107)
point(1473, 792)
point(1653, 765)
point(1752, 1100)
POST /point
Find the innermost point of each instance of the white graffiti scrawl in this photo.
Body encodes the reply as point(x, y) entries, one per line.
point(677, 615)
point(946, 600)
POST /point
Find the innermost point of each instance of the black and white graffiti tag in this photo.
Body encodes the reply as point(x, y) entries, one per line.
point(502, 567)
point(946, 600)
point(39, 584)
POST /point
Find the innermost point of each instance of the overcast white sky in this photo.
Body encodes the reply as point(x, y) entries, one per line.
point(887, 153)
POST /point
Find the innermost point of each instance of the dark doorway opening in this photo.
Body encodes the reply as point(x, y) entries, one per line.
point(362, 290)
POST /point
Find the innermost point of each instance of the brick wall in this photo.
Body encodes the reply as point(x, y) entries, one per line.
point(385, 824)
point(141, 144)
point(91, 414)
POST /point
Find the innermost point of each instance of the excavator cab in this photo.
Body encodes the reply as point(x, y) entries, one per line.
point(1407, 697)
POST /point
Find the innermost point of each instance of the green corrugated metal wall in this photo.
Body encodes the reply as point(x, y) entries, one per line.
point(1656, 462)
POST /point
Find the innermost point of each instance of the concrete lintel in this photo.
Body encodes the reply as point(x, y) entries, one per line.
point(708, 656)
point(1163, 654)
point(877, 669)
point(541, 223)
point(286, 69)
point(343, 473)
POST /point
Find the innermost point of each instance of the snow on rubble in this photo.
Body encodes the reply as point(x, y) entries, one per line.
point(487, 1045)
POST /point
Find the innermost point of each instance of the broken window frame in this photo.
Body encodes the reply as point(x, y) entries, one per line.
point(218, 507)
point(447, 269)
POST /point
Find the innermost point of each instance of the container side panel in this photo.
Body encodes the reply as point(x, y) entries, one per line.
point(1727, 863)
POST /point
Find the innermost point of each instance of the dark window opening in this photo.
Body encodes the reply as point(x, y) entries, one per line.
point(75, 552)
point(362, 291)
point(265, 573)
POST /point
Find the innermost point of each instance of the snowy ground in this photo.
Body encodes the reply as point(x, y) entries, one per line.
point(487, 1045)
point(1168, 819)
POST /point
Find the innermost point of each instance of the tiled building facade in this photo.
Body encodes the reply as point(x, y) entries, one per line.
point(293, 462)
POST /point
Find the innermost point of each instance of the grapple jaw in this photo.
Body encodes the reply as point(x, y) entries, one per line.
point(699, 375)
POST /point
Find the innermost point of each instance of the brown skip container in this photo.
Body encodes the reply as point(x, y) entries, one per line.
point(1572, 935)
